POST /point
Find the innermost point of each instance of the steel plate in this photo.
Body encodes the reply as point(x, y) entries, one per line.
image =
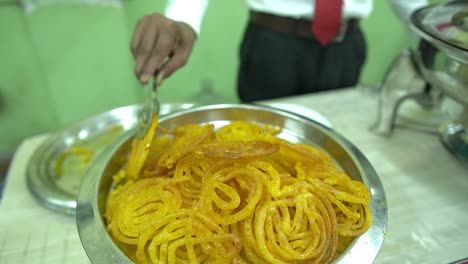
point(55, 172)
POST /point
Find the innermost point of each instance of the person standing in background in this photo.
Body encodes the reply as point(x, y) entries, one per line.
point(288, 48)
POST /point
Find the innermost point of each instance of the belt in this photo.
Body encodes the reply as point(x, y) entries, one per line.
point(297, 27)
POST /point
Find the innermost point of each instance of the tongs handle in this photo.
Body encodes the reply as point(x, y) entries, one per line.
point(148, 108)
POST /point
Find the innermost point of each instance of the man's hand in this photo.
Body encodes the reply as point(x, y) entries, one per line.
point(157, 38)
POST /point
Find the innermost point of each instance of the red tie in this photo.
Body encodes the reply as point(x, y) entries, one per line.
point(327, 20)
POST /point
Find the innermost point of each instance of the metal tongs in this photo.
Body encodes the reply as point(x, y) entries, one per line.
point(148, 108)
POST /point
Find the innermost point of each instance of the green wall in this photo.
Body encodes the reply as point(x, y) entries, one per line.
point(63, 63)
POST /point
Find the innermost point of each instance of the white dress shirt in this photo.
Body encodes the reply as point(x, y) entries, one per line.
point(192, 11)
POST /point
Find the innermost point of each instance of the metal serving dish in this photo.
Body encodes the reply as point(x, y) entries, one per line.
point(442, 57)
point(92, 197)
point(442, 52)
point(58, 190)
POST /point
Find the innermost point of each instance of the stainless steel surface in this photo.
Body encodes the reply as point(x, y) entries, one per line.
point(444, 24)
point(92, 196)
point(442, 56)
point(439, 59)
point(406, 100)
point(442, 63)
point(402, 82)
point(460, 20)
point(148, 108)
point(58, 192)
point(454, 136)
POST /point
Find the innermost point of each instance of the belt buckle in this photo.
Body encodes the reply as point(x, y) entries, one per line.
point(342, 32)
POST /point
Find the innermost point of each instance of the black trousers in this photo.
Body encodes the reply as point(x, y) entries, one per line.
point(274, 64)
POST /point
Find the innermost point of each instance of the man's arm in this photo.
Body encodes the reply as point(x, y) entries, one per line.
point(165, 42)
point(190, 12)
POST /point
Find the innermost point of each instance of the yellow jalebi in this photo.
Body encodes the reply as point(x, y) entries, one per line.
point(236, 195)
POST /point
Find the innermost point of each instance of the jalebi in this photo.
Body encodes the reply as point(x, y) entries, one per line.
point(238, 194)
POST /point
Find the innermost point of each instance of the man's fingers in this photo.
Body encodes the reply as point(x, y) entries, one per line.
point(146, 48)
point(181, 54)
point(140, 32)
point(165, 44)
point(179, 59)
point(157, 38)
point(139, 64)
point(137, 36)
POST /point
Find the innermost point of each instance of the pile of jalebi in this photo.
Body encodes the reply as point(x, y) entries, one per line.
point(235, 195)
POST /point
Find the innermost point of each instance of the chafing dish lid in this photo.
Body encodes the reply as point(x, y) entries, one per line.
point(446, 22)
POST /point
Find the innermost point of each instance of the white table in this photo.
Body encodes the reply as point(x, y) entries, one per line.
point(426, 189)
